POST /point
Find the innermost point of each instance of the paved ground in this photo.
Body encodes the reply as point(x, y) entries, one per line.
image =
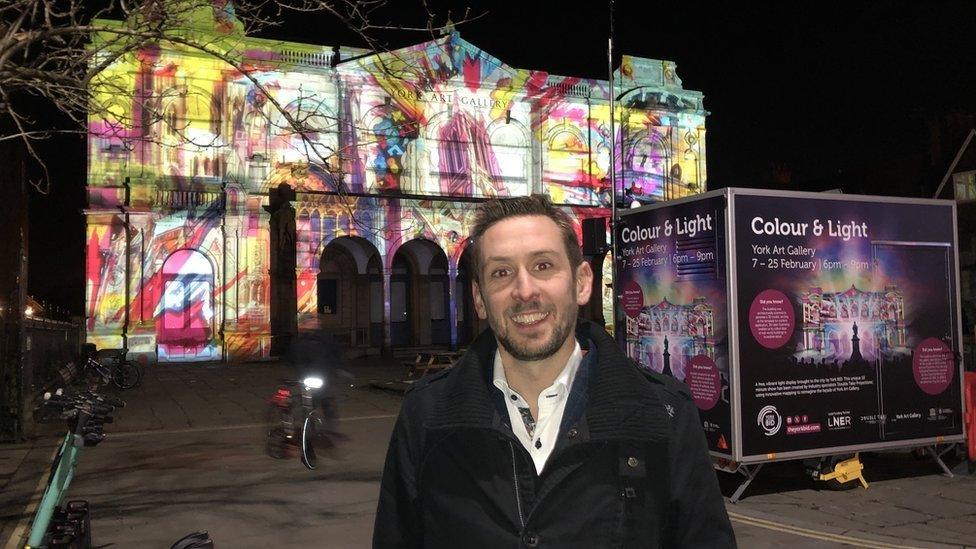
point(187, 454)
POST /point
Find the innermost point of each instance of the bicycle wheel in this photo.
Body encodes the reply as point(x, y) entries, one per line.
point(125, 375)
point(307, 442)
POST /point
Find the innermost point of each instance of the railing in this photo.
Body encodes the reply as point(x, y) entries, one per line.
point(579, 89)
point(311, 59)
point(178, 199)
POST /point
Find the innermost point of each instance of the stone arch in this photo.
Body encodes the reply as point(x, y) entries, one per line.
point(419, 295)
point(349, 291)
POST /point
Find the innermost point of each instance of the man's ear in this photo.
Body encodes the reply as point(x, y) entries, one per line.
point(479, 304)
point(584, 283)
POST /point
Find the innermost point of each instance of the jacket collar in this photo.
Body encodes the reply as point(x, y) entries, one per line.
point(620, 401)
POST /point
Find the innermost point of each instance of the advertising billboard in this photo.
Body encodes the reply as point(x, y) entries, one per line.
point(674, 286)
point(847, 323)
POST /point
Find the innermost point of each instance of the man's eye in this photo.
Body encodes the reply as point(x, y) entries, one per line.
point(499, 273)
point(543, 266)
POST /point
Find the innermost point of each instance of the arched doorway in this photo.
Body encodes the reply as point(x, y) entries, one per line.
point(345, 291)
point(401, 279)
point(184, 328)
point(419, 295)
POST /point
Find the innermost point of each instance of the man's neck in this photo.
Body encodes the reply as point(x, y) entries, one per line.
point(530, 378)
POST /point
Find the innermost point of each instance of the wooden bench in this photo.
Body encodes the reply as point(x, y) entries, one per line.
point(428, 362)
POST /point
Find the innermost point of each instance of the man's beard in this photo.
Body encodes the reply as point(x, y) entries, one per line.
point(526, 352)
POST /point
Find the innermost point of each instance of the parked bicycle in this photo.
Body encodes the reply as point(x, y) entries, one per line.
point(54, 524)
point(117, 370)
point(295, 424)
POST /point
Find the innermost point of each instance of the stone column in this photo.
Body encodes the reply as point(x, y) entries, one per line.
point(452, 300)
point(283, 264)
point(387, 313)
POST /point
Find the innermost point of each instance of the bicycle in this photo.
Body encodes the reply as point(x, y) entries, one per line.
point(120, 371)
point(86, 414)
point(295, 425)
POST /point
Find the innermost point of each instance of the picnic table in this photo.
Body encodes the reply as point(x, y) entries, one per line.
point(430, 361)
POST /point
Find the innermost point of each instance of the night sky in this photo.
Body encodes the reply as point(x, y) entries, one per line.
point(872, 97)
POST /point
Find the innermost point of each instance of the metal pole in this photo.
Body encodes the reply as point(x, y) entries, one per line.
point(613, 180)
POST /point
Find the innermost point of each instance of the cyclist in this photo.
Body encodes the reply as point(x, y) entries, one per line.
point(314, 352)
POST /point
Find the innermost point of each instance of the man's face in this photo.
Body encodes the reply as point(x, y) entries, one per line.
point(529, 292)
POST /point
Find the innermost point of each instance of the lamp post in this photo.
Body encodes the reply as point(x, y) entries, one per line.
point(613, 183)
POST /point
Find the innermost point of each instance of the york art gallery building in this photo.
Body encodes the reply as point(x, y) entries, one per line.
point(234, 197)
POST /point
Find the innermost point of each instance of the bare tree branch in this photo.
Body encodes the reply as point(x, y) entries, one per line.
point(59, 52)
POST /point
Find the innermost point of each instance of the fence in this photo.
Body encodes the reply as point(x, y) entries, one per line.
point(32, 350)
point(48, 345)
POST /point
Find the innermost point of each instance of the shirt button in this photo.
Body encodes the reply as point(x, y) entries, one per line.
point(572, 433)
point(531, 539)
point(632, 461)
point(514, 397)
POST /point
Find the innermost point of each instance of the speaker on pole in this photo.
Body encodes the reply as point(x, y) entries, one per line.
point(595, 236)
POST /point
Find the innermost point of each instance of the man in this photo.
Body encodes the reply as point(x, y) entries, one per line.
point(314, 352)
point(544, 434)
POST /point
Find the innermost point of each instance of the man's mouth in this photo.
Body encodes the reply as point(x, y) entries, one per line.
point(528, 319)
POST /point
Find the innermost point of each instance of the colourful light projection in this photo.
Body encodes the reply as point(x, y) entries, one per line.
point(389, 148)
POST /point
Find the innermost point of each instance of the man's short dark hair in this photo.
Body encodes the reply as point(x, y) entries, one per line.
point(495, 210)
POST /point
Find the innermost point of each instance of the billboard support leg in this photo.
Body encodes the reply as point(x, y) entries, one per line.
point(937, 457)
point(750, 474)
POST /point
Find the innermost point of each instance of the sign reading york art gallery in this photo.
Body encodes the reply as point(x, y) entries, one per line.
point(847, 322)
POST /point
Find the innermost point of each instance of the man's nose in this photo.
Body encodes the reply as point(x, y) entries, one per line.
point(525, 288)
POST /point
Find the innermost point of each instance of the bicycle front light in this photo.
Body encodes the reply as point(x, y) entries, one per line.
point(313, 382)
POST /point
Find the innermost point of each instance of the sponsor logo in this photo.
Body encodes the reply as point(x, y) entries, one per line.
point(874, 419)
point(908, 415)
point(939, 414)
point(838, 421)
point(769, 420)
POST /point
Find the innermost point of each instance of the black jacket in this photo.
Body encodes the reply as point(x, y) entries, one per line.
point(630, 469)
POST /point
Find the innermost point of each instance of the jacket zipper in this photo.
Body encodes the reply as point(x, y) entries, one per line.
point(518, 497)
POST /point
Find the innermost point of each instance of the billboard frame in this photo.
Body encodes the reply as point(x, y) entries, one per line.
point(740, 459)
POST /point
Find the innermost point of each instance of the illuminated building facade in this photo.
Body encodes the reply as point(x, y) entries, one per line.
point(665, 336)
point(829, 320)
point(303, 181)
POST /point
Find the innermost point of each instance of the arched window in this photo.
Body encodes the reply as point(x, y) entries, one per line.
point(511, 148)
point(646, 167)
point(311, 136)
point(566, 171)
point(462, 159)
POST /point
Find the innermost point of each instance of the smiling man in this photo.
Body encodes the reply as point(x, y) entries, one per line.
point(544, 434)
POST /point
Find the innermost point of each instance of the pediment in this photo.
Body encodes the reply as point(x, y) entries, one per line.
point(449, 59)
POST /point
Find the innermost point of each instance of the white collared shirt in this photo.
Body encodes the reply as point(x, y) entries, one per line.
point(552, 405)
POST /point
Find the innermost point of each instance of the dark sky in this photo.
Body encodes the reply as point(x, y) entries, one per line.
point(822, 90)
